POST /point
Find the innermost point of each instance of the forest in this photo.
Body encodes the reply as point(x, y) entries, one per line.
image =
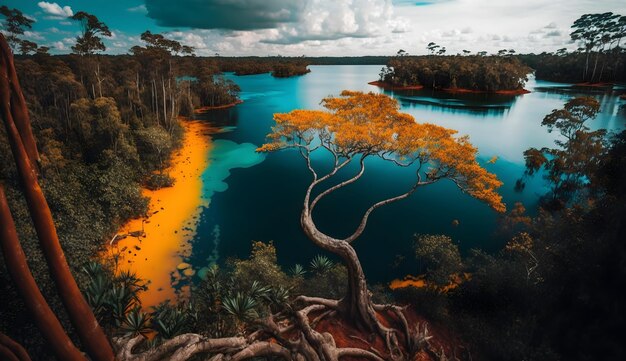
point(83, 133)
point(474, 72)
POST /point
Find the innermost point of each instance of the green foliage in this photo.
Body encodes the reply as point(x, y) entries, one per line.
point(112, 297)
point(158, 180)
point(570, 168)
point(298, 270)
point(321, 264)
point(480, 73)
point(15, 23)
point(241, 306)
point(279, 67)
point(261, 267)
point(289, 69)
point(439, 257)
point(169, 320)
point(92, 28)
point(329, 284)
point(135, 323)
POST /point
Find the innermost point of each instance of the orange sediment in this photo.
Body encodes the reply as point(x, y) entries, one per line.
point(157, 254)
point(419, 282)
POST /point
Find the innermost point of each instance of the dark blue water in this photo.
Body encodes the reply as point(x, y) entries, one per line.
point(259, 197)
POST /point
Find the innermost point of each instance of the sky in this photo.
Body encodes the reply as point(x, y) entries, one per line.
point(320, 27)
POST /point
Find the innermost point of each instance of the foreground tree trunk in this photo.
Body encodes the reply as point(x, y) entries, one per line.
point(91, 335)
point(18, 103)
point(23, 280)
point(11, 350)
point(356, 305)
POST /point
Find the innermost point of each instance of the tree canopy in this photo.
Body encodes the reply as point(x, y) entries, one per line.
point(371, 125)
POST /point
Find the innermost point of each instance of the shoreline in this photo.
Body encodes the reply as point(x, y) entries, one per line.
point(382, 84)
point(387, 86)
point(155, 247)
point(207, 108)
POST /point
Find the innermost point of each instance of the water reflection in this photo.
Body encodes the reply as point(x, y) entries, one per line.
point(263, 202)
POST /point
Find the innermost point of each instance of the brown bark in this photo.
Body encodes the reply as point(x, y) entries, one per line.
point(23, 280)
point(356, 305)
point(17, 102)
point(7, 354)
point(15, 348)
point(91, 335)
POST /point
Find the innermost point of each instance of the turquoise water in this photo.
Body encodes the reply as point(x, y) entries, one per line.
point(259, 197)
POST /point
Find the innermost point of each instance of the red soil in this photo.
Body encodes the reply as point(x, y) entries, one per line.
point(384, 85)
point(503, 92)
point(347, 336)
point(448, 90)
point(208, 108)
point(595, 85)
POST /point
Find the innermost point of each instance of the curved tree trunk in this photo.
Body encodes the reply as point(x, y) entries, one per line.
point(38, 308)
point(356, 305)
point(91, 335)
point(18, 103)
point(13, 348)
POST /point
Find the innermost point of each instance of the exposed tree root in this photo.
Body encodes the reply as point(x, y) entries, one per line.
point(291, 335)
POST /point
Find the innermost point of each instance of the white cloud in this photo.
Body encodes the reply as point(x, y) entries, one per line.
point(55, 10)
point(59, 45)
point(138, 9)
point(331, 20)
point(189, 38)
point(34, 35)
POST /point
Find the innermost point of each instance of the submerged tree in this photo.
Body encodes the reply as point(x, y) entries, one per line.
point(357, 126)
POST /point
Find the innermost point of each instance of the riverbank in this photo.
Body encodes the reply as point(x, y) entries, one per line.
point(387, 86)
point(209, 108)
point(382, 84)
point(155, 246)
point(595, 85)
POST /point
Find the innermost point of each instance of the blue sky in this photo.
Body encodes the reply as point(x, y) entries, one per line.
point(320, 27)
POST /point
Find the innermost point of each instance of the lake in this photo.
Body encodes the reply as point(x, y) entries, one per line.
point(259, 197)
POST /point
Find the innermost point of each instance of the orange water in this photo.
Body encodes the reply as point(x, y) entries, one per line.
point(171, 223)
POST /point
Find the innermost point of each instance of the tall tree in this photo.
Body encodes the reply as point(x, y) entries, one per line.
point(15, 23)
point(80, 314)
point(38, 308)
point(358, 126)
point(21, 116)
point(92, 29)
point(571, 167)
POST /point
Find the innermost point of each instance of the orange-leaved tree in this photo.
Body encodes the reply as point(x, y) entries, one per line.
point(354, 127)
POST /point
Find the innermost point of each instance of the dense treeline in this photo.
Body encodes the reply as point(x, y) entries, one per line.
point(480, 73)
point(570, 67)
point(554, 291)
point(279, 67)
point(599, 58)
point(104, 125)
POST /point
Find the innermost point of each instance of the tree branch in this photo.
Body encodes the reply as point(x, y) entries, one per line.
point(365, 217)
point(340, 185)
point(262, 349)
point(358, 353)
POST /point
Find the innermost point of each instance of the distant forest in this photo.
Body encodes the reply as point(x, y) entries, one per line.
point(106, 125)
